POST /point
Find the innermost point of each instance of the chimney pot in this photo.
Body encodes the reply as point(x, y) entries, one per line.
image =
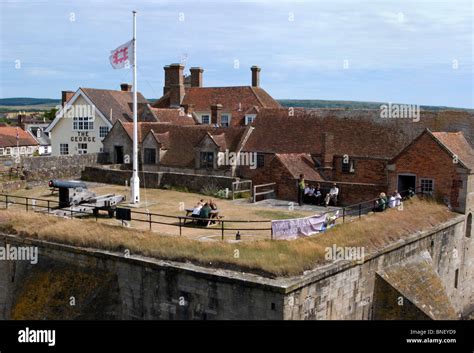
point(255, 76)
point(125, 87)
point(216, 114)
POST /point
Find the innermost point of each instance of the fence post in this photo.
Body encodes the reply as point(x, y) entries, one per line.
point(360, 210)
point(48, 206)
point(6, 202)
point(180, 226)
point(343, 215)
point(149, 220)
point(222, 229)
point(271, 231)
point(26, 199)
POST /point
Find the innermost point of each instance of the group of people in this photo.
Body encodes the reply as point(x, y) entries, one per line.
point(383, 202)
point(314, 195)
point(203, 210)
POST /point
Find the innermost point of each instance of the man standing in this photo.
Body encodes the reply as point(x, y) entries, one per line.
point(301, 187)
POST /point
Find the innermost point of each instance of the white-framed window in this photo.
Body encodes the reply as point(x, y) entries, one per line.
point(82, 148)
point(427, 186)
point(64, 148)
point(103, 131)
point(249, 119)
point(23, 150)
point(225, 120)
point(8, 151)
point(205, 119)
point(82, 123)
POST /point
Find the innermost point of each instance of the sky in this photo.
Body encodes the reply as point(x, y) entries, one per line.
point(401, 51)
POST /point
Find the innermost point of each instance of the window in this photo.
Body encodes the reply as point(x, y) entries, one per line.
point(249, 119)
point(427, 186)
point(205, 119)
point(82, 148)
point(2, 151)
point(469, 225)
point(63, 148)
point(347, 165)
point(456, 277)
point(225, 120)
point(150, 156)
point(260, 160)
point(103, 131)
point(9, 150)
point(82, 123)
point(207, 160)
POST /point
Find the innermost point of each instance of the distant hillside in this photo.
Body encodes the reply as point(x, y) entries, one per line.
point(28, 101)
point(315, 103)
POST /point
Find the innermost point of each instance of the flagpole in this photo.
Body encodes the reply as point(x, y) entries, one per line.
point(135, 181)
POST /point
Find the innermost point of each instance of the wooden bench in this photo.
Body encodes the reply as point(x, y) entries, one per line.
point(191, 219)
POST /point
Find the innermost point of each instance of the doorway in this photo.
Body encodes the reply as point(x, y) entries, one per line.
point(118, 154)
point(405, 182)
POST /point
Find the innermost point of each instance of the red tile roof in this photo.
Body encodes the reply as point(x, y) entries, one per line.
point(120, 102)
point(8, 137)
point(173, 116)
point(181, 140)
point(359, 133)
point(300, 163)
point(235, 100)
point(458, 146)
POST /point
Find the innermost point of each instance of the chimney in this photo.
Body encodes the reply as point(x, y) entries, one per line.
point(125, 87)
point(174, 81)
point(327, 150)
point(196, 76)
point(255, 76)
point(166, 87)
point(188, 108)
point(65, 96)
point(216, 111)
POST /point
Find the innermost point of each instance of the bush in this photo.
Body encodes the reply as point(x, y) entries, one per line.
point(210, 189)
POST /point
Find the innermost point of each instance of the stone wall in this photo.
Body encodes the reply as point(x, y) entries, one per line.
point(192, 182)
point(111, 286)
point(56, 167)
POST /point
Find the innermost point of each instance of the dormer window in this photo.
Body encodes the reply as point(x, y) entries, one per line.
point(205, 119)
point(250, 118)
point(225, 120)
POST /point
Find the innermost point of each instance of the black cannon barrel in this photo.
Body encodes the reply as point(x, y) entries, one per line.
point(70, 184)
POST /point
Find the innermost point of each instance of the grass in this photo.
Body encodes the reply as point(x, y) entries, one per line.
point(265, 257)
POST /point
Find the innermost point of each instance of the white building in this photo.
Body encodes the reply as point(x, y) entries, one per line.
point(87, 115)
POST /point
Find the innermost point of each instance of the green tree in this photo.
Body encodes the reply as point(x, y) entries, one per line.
point(50, 114)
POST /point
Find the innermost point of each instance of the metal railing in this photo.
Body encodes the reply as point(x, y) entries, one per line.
point(181, 222)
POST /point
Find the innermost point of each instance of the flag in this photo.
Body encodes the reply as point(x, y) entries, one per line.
point(17, 135)
point(122, 56)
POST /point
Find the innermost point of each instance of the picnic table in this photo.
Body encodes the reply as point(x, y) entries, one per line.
point(214, 213)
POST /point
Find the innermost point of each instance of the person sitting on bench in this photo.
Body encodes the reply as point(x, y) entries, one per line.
point(213, 207)
point(318, 196)
point(332, 195)
point(197, 210)
point(204, 214)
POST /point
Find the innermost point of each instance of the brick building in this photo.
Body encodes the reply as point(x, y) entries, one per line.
point(437, 163)
point(217, 106)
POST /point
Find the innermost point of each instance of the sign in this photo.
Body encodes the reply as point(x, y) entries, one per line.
point(300, 227)
point(83, 137)
point(125, 214)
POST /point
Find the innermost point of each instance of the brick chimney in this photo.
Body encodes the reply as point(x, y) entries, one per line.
point(216, 111)
point(255, 76)
point(327, 150)
point(196, 76)
point(65, 96)
point(174, 84)
point(125, 87)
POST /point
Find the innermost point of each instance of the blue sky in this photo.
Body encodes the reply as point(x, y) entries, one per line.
point(406, 51)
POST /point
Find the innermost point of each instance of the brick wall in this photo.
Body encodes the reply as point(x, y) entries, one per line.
point(427, 159)
point(366, 170)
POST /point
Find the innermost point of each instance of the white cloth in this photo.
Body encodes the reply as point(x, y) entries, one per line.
point(392, 202)
point(398, 200)
point(122, 56)
point(197, 210)
point(334, 191)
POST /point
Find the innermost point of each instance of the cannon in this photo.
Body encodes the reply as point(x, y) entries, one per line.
point(76, 199)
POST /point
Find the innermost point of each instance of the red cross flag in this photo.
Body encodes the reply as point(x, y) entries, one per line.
point(122, 56)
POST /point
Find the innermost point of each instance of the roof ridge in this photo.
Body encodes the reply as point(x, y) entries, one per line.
point(256, 96)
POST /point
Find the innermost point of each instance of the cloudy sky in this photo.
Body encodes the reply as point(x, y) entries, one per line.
point(405, 51)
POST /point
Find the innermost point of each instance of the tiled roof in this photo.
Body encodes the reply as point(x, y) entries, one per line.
point(300, 163)
point(181, 140)
point(236, 100)
point(457, 145)
point(356, 132)
point(8, 137)
point(173, 116)
point(120, 102)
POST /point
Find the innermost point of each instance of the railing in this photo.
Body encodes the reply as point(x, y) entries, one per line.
point(255, 193)
point(49, 206)
point(237, 187)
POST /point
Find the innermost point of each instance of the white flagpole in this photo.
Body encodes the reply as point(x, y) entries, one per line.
point(135, 181)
